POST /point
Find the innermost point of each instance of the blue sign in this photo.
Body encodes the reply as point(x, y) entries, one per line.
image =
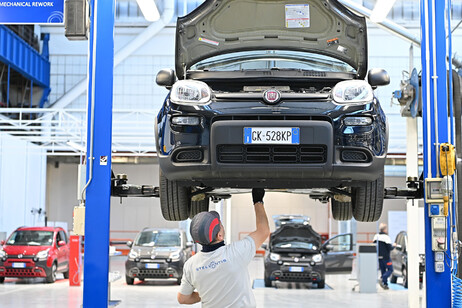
point(31, 12)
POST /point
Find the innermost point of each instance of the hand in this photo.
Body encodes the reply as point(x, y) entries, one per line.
point(257, 195)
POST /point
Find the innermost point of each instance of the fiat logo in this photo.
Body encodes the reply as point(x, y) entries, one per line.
point(271, 96)
point(296, 259)
point(20, 256)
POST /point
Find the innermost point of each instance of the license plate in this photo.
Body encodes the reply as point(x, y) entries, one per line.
point(296, 269)
point(271, 135)
point(19, 265)
point(152, 265)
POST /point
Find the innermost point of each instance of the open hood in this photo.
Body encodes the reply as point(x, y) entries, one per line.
point(298, 232)
point(316, 26)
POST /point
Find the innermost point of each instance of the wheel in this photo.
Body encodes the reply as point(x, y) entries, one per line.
point(268, 283)
point(52, 276)
point(405, 277)
point(175, 201)
point(321, 284)
point(341, 210)
point(198, 206)
point(393, 279)
point(367, 201)
point(2, 279)
point(129, 280)
point(66, 274)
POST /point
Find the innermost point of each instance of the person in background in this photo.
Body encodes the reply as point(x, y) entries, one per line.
point(384, 246)
point(219, 272)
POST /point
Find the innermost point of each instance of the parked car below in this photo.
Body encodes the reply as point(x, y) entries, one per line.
point(399, 260)
point(31, 252)
point(157, 254)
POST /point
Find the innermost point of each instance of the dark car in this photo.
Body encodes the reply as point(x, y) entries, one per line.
point(399, 260)
point(272, 94)
point(157, 254)
point(31, 252)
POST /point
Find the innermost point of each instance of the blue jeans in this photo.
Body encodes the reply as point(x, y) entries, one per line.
point(386, 268)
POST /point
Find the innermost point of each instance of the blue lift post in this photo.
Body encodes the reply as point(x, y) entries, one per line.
point(98, 192)
point(435, 132)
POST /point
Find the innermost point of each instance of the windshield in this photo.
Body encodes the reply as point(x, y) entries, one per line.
point(296, 245)
point(158, 238)
point(31, 238)
point(272, 59)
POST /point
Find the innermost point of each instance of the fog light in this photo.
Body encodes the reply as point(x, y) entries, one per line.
point(168, 260)
point(313, 263)
point(185, 120)
point(137, 259)
point(357, 121)
point(279, 262)
point(35, 259)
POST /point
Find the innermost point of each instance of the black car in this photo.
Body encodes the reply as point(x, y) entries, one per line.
point(399, 260)
point(272, 94)
point(157, 254)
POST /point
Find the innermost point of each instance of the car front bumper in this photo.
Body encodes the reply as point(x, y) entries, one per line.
point(295, 272)
point(32, 269)
point(146, 269)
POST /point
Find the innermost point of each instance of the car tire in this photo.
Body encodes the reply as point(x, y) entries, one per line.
point(52, 276)
point(66, 274)
point(404, 270)
point(199, 206)
point(367, 200)
point(341, 210)
point(393, 279)
point(268, 282)
point(175, 201)
point(321, 284)
point(129, 280)
point(2, 279)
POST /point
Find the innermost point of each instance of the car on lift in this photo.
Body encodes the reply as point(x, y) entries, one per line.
point(275, 95)
point(157, 254)
point(399, 260)
point(31, 252)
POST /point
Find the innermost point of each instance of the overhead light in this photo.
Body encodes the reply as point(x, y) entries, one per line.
point(76, 146)
point(149, 9)
point(381, 10)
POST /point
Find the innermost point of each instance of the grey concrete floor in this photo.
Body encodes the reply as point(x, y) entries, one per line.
point(36, 293)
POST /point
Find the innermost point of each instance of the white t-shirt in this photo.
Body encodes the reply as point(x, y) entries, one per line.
point(221, 276)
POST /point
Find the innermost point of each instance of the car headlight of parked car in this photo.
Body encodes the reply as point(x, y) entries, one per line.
point(274, 257)
point(317, 258)
point(352, 91)
point(190, 92)
point(3, 254)
point(42, 255)
point(133, 254)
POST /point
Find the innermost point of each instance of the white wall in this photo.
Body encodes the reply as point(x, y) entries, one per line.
point(22, 183)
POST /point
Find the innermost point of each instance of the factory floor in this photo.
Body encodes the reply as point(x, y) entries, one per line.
point(338, 292)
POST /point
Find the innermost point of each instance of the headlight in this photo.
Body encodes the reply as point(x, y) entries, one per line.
point(175, 256)
point(274, 257)
point(190, 92)
point(42, 254)
point(2, 254)
point(133, 254)
point(357, 121)
point(317, 258)
point(352, 91)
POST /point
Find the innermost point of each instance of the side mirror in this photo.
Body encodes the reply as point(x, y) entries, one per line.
point(61, 243)
point(378, 77)
point(130, 244)
point(2, 242)
point(264, 246)
point(328, 248)
point(399, 247)
point(166, 78)
point(189, 244)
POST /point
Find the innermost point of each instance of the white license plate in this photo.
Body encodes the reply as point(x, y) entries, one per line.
point(152, 265)
point(271, 135)
point(296, 269)
point(19, 265)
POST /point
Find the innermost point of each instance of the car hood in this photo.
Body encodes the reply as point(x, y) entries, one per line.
point(25, 250)
point(289, 232)
point(323, 27)
point(159, 252)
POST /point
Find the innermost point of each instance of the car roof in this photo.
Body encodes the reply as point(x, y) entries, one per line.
point(39, 228)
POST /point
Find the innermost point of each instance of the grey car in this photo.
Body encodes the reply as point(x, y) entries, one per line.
point(157, 254)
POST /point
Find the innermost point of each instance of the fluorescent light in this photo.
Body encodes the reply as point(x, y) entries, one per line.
point(381, 10)
point(149, 9)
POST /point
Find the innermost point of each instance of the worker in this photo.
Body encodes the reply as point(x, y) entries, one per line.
point(219, 272)
point(384, 247)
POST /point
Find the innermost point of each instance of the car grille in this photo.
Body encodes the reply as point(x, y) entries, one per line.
point(183, 156)
point(355, 156)
point(295, 276)
point(22, 272)
point(272, 154)
point(271, 117)
point(153, 273)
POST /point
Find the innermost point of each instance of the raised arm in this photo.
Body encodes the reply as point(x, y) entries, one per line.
point(262, 231)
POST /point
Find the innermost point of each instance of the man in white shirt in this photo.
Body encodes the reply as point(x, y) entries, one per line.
point(219, 272)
